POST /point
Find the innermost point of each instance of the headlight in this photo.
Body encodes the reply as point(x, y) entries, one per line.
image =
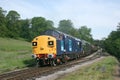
point(34, 56)
point(50, 55)
point(34, 43)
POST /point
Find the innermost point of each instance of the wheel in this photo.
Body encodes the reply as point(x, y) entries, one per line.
point(53, 62)
point(40, 63)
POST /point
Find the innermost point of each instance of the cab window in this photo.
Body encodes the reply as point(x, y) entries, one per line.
point(34, 43)
point(50, 43)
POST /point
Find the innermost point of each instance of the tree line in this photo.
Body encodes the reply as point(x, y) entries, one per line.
point(12, 26)
point(112, 43)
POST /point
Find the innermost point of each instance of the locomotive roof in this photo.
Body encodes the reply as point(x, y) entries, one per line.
point(51, 32)
point(69, 35)
point(85, 42)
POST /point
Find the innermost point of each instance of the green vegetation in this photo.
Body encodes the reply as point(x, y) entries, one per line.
point(101, 70)
point(14, 54)
point(83, 32)
point(12, 26)
point(8, 44)
point(112, 43)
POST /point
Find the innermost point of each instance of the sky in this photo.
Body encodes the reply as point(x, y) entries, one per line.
point(102, 16)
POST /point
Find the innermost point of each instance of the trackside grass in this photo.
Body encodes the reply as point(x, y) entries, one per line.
point(102, 70)
point(14, 54)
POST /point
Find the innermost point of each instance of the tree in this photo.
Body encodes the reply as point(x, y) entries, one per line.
point(112, 43)
point(50, 24)
point(118, 27)
point(13, 24)
point(3, 28)
point(85, 33)
point(65, 26)
point(13, 27)
point(13, 16)
point(25, 29)
point(39, 25)
point(74, 32)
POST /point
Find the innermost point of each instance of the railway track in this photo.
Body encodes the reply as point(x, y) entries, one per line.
point(32, 73)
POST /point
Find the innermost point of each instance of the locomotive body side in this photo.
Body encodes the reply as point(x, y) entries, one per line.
point(55, 47)
point(68, 47)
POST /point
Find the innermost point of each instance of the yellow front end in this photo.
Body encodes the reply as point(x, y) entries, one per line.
point(44, 46)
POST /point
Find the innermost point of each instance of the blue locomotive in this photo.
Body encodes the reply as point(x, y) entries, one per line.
point(55, 47)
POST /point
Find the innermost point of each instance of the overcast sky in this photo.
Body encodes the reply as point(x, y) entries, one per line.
point(102, 16)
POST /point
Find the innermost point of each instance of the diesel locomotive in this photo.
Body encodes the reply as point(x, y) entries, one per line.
point(55, 47)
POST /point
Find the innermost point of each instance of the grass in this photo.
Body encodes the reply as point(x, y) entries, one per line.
point(102, 70)
point(14, 54)
point(8, 44)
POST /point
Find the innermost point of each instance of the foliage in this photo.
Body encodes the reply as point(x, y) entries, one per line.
point(118, 27)
point(3, 28)
point(39, 25)
point(112, 43)
point(13, 16)
point(83, 32)
point(65, 26)
point(14, 54)
point(25, 31)
point(13, 24)
point(13, 27)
